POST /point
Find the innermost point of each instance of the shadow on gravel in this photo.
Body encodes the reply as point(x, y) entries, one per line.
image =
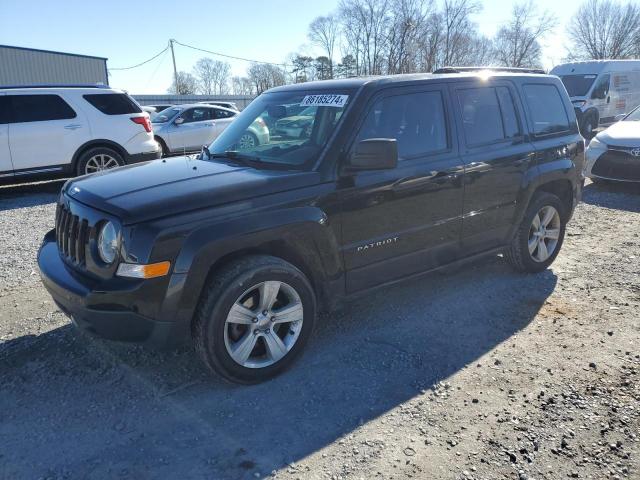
point(616, 195)
point(76, 407)
point(29, 194)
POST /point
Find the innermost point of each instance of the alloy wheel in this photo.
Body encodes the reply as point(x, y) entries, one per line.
point(247, 141)
point(544, 233)
point(263, 324)
point(100, 162)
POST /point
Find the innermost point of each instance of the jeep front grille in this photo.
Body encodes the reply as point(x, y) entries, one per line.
point(72, 234)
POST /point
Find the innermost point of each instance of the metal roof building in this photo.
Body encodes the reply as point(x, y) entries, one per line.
point(30, 66)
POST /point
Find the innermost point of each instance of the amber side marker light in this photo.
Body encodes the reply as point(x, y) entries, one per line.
point(153, 270)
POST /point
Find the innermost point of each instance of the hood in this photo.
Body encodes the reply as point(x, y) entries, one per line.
point(145, 191)
point(622, 134)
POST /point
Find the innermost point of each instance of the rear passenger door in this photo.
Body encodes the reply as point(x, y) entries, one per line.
point(497, 156)
point(44, 132)
point(405, 220)
point(222, 119)
point(6, 167)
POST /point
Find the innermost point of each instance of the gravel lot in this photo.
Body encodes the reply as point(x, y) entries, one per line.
point(478, 373)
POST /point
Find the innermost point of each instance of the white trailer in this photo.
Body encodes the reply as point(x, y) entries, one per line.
point(600, 90)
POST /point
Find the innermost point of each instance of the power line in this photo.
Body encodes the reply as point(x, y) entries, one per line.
point(231, 56)
point(142, 63)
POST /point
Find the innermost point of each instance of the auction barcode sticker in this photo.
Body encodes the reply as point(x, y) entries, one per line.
point(324, 101)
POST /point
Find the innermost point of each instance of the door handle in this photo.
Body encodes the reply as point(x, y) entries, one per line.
point(608, 98)
point(72, 126)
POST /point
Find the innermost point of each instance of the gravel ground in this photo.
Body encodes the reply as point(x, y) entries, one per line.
point(479, 373)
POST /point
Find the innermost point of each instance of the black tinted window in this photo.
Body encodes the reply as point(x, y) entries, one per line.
point(222, 113)
point(4, 110)
point(39, 108)
point(197, 115)
point(113, 103)
point(547, 109)
point(481, 117)
point(509, 115)
point(417, 121)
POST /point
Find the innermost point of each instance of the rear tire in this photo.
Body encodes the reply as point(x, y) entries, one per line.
point(539, 237)
point(98, 159)
point(240, 328)
point(589, 126)
point(163, 147)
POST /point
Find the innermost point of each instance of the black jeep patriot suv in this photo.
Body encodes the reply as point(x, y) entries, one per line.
point(360, 183)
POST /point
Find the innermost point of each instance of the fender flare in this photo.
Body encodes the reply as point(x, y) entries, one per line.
point(303, 233)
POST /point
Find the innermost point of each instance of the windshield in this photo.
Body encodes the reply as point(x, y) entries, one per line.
point(634, 116)
point(165, 115)
point(577, 85)
point(285, 128)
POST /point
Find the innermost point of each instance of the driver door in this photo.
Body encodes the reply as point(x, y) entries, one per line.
point(196, 129)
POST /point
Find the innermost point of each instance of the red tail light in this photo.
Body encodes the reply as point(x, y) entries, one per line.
point(144, 121)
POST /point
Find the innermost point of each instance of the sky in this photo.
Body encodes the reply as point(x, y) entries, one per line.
point(130, 32)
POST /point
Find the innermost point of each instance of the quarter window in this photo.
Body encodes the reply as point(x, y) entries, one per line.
point(417, 121)
point(547, 109)
point(39, 108)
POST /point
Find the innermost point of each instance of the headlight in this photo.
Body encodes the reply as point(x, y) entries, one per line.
point(108, 243)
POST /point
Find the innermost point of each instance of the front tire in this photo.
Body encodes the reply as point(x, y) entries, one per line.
point(254, 319)
point(589, 126)
point(539, 237)
point(98, 159)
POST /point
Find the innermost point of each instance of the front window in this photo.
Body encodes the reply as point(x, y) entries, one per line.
point(577, 85)
point(165, 115)
point(284, 128)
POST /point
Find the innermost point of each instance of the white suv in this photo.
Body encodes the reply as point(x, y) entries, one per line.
point(63, 131)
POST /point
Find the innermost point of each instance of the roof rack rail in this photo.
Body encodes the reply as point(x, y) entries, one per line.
point(79, 85)
point(493, 69)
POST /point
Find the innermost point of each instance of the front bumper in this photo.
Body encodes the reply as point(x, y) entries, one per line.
point(612, 164)
point(97, 310)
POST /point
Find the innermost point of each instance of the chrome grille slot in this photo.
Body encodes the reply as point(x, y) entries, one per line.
point(72, 235)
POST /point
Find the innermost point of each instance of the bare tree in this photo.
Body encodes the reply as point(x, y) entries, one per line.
point(365, 23)
point(213, 76)
point(408, 18)
point(605, 29)
point(187, 84)
point(459, 30)
point(517, 44)
point(242, 86)
point(323, 32)
point(266, 76)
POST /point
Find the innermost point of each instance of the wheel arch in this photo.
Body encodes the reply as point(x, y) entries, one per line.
point(97, 143)
point(304, 240)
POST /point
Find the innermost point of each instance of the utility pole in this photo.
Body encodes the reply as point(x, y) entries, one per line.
point(175, 70)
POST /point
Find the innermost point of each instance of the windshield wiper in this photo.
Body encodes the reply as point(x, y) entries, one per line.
point(237, 156)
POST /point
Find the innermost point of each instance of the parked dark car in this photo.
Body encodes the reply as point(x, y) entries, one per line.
point(237, 250)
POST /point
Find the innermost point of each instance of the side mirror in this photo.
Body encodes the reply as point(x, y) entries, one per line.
point(619, 117)
point(374, 154)
point(179, 121)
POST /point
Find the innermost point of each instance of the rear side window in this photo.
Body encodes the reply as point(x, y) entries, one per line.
point(481, 116)
point(547, 109)
point(113, 103)
point(417, 121)
point(4, 110)
point(39, 108)
point(222, 113)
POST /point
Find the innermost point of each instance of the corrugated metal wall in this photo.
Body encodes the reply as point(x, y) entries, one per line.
point(240, 100)
point(23, 66)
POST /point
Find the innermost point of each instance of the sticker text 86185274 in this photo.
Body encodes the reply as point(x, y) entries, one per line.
point(328, 100)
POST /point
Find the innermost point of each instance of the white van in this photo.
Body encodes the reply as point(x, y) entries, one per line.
point(600, 90)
